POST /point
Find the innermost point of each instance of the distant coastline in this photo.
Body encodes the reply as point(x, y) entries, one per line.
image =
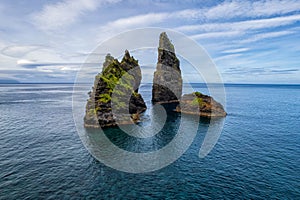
point(34, 83)
point(8, 81)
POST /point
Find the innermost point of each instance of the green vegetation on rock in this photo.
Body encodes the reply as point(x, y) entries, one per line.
point(197, 94)
point(113, 87)
point(104, 98)
point(198, 101)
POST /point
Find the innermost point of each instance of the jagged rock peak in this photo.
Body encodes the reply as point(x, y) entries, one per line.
point(165, 43)
point(127, 54)
point(108, 60)
point(129, 59)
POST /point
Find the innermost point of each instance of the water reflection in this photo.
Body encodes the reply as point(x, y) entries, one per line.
point(135, 144)
point(154, 149)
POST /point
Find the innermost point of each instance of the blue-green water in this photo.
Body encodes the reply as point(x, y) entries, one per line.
point(257, 155)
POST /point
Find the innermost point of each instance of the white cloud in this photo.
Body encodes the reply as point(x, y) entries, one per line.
point(239, 50)
point(18, 51)
point(216, 35)
point(271, 7)
point(262, 36)
point(224, 11)
point(139, 20)
point(227, 10)
point(62, 14)
point(217, 29)
point(266, 23)
point(58, 68)
point(24, 62)
point(243, 25)
point(43, 69)
point(232, 9)
point(145, 20)
point(49, 55)
point(227, 57)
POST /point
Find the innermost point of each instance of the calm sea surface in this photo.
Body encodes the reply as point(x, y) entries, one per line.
point(256, 157)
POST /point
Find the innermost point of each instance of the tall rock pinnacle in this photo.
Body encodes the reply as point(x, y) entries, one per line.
point(115, 98)
point(167, 81)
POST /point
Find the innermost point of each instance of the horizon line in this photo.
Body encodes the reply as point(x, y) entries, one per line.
point(69, 83)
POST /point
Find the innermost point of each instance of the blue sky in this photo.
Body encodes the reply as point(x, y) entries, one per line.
point(250, 41)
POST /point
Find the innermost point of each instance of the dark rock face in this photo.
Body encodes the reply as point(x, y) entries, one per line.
point(114, 99)
point(167, 81)
point(200, 104)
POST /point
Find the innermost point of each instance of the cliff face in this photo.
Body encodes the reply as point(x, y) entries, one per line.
point(167, 81)
point(200, 104)
point(114, 99)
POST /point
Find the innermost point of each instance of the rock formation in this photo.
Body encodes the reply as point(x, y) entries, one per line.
point(200, 104)
point(167, 81)
point(114, 99)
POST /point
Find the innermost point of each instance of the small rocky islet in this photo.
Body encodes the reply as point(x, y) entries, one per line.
point(119, 81)
point(200, 104)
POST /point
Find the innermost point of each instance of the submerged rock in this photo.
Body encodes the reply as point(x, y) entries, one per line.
point(200, 104)
point(114, 99)
point(167, 81)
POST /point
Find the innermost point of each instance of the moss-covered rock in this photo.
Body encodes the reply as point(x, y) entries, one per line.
point(199, 104)
point(114, 98)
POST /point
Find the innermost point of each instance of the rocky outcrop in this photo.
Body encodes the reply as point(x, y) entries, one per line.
point(200, 104)
point(167, 85)
point(114, 99)
point(167, 81)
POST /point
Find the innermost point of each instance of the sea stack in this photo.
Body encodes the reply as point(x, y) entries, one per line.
point(200, 104)
point(114, 99)
point(167, 81)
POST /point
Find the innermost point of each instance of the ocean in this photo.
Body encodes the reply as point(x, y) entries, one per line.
point(257, 154)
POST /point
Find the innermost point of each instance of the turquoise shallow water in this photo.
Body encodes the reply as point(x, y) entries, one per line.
point(256, 156)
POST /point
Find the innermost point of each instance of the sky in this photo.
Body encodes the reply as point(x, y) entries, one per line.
point(249, 41)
